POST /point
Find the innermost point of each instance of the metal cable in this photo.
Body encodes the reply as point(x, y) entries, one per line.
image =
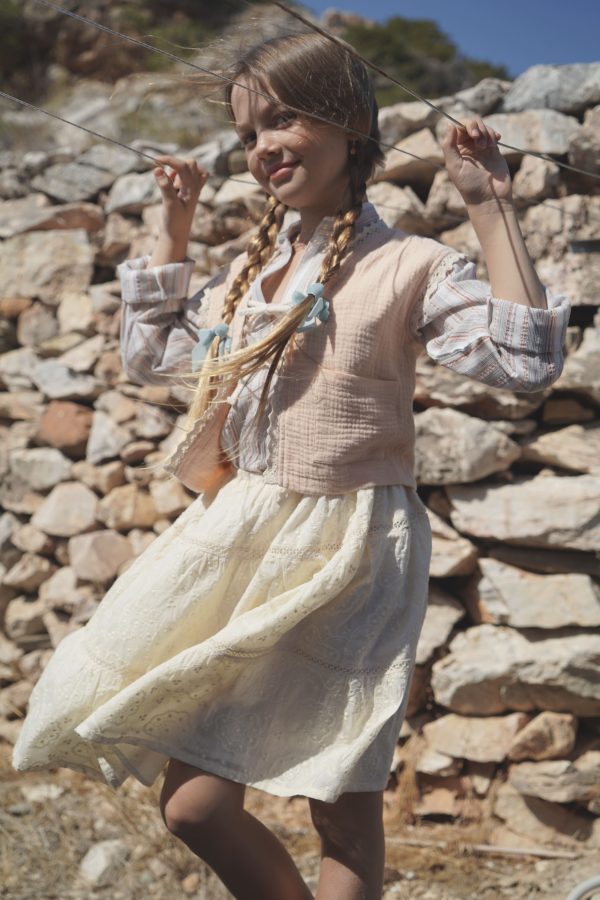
point(447, 216)
point(225, 78)
point(380, 71)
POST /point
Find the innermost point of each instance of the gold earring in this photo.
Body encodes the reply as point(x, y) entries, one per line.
point(353, 148)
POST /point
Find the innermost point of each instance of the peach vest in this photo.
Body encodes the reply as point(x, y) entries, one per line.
point(342, 403)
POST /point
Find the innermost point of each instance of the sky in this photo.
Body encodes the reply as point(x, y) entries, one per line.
point(516, 33)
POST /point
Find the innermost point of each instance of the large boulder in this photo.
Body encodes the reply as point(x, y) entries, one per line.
point(584, 147)
point(546, 511)
point(507, 595)
point(493, 669)
point(569, 89)
point(451, 553)
point(453, 448)
point(581, 372)
point(46, 264)
point(477, 739)
point(576, 447)
point(540, 130)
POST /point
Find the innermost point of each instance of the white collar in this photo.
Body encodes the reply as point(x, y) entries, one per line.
point(322, 232)
point(308, 268)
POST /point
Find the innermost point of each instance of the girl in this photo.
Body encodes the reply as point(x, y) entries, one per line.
point(268, 636)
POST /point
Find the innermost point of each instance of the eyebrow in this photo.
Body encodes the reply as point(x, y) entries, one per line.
point(278, 106)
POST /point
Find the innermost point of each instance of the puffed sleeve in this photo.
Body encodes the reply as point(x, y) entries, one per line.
point(159, 323)
point(501, 343)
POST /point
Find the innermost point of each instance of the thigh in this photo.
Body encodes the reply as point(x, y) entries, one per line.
point(191, 795)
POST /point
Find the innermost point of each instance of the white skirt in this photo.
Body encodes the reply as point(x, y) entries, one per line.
point(265, 636)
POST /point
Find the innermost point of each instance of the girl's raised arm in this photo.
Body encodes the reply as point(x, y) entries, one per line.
point(509, 333)
point(479, 171)
point(159, 323)
point(180, 190)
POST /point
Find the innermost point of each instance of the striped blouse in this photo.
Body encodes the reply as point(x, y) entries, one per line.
point(458, 321)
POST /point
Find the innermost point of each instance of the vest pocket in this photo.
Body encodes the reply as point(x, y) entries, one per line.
point(358, 418)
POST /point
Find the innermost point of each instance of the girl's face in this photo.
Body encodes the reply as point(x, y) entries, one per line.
point(302, 161)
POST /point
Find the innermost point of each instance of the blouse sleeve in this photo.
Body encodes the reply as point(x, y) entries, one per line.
point(501, 343)
point(159, 323)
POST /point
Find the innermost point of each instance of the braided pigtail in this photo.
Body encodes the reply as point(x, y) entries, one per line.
point(260, 250)
point(360, 165)
point(363, 158)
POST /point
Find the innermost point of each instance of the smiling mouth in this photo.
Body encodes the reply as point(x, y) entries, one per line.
point(282, 171)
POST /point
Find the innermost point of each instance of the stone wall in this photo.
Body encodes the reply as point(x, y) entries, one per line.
point(504, 707)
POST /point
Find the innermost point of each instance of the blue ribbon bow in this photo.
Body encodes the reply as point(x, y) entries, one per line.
point(319, 310)
point(205, 338)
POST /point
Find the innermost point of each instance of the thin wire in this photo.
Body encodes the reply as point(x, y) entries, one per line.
point(336, 40)
point(225, 78)
point(76, 125)
point(405, 87)
point(446, 215)
point(154, 159)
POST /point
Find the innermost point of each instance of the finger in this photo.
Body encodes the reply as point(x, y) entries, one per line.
point(450, 144)
point(492, 139)
point(182, 166)
point(483, 139)
point(164, 182)
point(470, 129)
point(193, 175)
point(175, 162)
point(474, 131)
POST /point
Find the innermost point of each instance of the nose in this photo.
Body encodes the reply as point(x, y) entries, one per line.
point(267, 143)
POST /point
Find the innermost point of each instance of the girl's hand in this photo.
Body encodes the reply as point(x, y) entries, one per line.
point(474, 163)
point(180, 191)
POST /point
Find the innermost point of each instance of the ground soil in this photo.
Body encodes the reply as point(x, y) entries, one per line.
point(44, 838)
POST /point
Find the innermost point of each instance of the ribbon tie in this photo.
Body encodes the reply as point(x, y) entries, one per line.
point(205, 338)
point(319, 310)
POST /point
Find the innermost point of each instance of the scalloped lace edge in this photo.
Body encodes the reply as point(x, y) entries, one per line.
point(443, 270)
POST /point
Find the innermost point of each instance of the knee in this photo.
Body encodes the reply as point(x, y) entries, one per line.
point(177, 818)
point(193, 809)
point(192, 821)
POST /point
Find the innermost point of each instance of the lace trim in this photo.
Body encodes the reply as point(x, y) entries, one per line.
point(333, 667)
point(442, 271)
point(365, 231)
point(394, 529)
point(273, 419)
point(186, 442)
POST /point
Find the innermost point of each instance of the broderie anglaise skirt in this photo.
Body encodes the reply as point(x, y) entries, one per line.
point(265, 636)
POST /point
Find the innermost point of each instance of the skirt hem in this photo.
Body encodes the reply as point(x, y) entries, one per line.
point(217, 767)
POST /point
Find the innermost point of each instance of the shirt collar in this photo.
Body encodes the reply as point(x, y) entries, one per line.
point(322, 232)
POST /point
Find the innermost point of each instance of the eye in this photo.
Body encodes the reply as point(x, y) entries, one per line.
point(283, 117)
point(248, 138)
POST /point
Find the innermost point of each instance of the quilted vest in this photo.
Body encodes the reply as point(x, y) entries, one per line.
point(342, 402)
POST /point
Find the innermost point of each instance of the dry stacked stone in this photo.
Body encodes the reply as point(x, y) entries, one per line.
point(504, 712)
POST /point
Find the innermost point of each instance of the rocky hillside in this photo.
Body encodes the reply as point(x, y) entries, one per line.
point(123, 91)
point(503, 720)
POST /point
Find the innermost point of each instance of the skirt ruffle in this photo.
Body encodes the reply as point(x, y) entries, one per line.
point(266, 636)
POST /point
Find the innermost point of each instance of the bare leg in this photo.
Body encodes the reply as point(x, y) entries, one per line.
point(207, 813)
point(352, 846)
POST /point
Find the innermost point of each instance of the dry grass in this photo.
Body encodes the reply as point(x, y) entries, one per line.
point(42, 843)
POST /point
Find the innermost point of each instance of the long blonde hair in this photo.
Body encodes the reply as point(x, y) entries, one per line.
point(306, 71)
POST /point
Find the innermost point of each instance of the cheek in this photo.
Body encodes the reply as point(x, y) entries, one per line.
point(255, 168)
